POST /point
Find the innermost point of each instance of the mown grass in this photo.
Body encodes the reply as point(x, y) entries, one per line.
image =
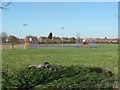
point(106, 57)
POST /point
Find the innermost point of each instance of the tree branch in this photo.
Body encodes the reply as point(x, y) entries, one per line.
point(4, 6)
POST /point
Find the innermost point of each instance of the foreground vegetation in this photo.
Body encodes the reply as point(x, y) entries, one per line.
point(54, 77)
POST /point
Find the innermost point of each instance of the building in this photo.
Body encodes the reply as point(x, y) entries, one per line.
point(31, 39)
point(65, 39)
point(21, 41)
point(42, 39)
point(56, 39)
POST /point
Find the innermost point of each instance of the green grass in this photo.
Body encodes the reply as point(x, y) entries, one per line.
point(106, 56)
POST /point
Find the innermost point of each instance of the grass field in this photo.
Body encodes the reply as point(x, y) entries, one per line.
point(106, 56)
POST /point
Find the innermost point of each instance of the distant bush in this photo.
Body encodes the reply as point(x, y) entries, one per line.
point(49, 77)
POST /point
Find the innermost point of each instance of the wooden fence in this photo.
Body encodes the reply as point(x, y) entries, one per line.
point(11, 46)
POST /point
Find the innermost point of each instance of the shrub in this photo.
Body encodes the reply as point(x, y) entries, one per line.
point(58, 77)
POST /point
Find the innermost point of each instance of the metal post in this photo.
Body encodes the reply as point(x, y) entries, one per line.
point(62, 37)
point(25, 25)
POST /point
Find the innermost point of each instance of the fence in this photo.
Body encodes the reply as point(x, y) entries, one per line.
point(23, 46)
point(10, 46)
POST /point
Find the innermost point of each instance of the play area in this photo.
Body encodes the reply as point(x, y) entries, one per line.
point(79, 44)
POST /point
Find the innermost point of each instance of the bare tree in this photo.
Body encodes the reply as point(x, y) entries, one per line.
point(3, 37)
point(4, 5)
point(78, 38)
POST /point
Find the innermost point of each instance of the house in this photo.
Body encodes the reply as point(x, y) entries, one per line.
point(65, 39)
point(56, 39)
point(114, 40)
point(31, 39)
point(21, 41)
point(42, 39)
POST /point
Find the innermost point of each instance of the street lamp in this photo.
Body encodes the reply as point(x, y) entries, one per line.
point(26, 44)
point(62, 41)
point(78, 39)
point(62, 38)
point(25, 25)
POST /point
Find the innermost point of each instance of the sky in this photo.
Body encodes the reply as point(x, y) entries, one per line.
point(89, 19)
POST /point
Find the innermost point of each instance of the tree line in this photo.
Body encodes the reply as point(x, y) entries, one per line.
point(5, 38)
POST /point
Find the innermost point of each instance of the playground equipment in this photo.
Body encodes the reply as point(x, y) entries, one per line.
point(85, 43)
point(27, 45)
point(89, 43)
point(28, 41)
